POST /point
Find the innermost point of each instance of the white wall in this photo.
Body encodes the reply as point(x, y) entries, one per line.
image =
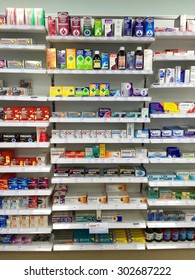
point(107, 7)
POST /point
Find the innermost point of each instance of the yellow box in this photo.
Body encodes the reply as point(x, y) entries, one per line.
point(102, 150)
point(56, 91)
point(171, 107)
point(71, 58)
point(51, 58)
point(68, 91)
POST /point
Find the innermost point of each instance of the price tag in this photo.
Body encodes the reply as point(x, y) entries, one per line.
point(19, 248)
point(105, 119)
point(116, 246)
point(110, 180)
point(91, 179)
point(116, 206)
point(81, 247)
point(98, 228)
point(4, 248)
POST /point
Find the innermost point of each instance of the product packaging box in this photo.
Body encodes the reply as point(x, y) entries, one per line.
point(51, 58)
point(80, 60)
point(10, 16)
point(180, 22)
point(104, 89)
point(94, 89)
point(68, 91)
point(32, 64)
point(148, 59)
point(118, 24)
point(15, 64)
point(138, 27)
point(126, 89)
point(108, 27)
point(113, 61)
point(61, 59)
point(88, 55)
point(98, 27)
point(75, 26)
point(39, 15)
point(131, 60)
point(87, 26)
point(149, 27)
point(29, 16)
point(71, 58)
point(63, 23)
point(105, 60)
point(115, 187)
point(81, 91)
point(77, 198)
point(127, 30)
point(19, 14)
point(97, 198)
point(104, 112)
point(12, 113)
point(51, 26)
point(55, 91)
point(118, 197)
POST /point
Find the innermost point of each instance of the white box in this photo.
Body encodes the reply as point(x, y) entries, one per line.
point(70, 134)
point(191, 25)
point(43, 221)
point(58, 153)
point(148, 59)
point(187, 76)
point(118, 197)
point(181, 23)
point(118, 23)
point(78, 133)
point(141, 153)
point(130, 130)
point(178, 74)
point(56, 134)
point(34, 221)
point(24, 221)
point(100, 134)
point(75, 198)
point(161, 76)
point(127, 153)
point(86, 134)
point(96, 198)
point(144, 112)
point(115, 187)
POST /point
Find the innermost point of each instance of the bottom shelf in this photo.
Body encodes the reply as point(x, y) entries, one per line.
point(97, 247)
point(33, 247)
point(170, 245)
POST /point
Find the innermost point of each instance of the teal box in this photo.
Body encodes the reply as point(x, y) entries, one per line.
point(105, 61)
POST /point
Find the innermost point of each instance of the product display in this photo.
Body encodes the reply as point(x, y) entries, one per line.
point(24, 113)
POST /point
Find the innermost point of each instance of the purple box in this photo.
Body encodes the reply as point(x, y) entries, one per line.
point(32, 183)
point(154, 133)
point(189, 132)
point(127, 26)
point(61, 59)
point(156, 108)
point(43, 183)
point(104, 113)
point(3, 63)
point(139, 27)
point(166, 133)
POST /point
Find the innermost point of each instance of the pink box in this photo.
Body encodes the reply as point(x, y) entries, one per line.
point(11, 16)
point(75, 26)
point(63, 23)
point(51, 26)
point(19, 13)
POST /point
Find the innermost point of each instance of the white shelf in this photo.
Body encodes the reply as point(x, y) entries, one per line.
point(172, 140)
point(25, 169)
point(171, 202)
point(102, 98)
point(34, 247)
point(97, 247)
point(130, 220)
point(22, 71)
point(83, 180)
point(22, 28)
point(23, 47)
point(23, 124)
point(43, 192)
point(173, 58)
point(24, 145)
point(99, 160)
point(23, 98)
point(97, 140)
point(172, 116)
point(172, 160)
point(28, 211)
point(25, 230)
point(175, 35)
point(174, 183)
point(171, 224)
point(173, 85)
point(93, 39)
point(125, 206)
point(102, 72)
point(99, 120)
point(170, 245)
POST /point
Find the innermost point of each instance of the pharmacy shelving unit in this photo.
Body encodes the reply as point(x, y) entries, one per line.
point(83, 77)
point(39, 98)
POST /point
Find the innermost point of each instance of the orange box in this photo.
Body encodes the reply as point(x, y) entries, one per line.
point(5, 157)
point(42, 113)
point(30, 161)
point(27, 114)
point(80, 154)
point(17, 161)
point(12, 113)
point(51, 58)
point(3, 183)
point(70, 154)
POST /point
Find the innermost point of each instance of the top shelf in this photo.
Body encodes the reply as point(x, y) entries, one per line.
point(175, 35)
point(93, 39)
point(22, 28)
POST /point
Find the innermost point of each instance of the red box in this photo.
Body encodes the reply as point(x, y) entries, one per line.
point(76, 26)
point(42, 113)
point(63, 24)
point(30, 162)
point(27, 114)
point(33, 202)
point(12, 113)
point(51, 26)
point(3, 182)
point(17, 161)
point(5, 157)
point(70, 154)
point(80, 154)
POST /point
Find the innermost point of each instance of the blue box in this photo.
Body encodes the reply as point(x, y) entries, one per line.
point(115, 92)
point(154, 133)
point(149, 27)
point(22, 183)
point(3, 220)
point(1, 202)
point(139, 27)
point(127, 31)
point(159, 215)
point(105, 60)
point(13, 183)
point(151, 215)
point(177, 131)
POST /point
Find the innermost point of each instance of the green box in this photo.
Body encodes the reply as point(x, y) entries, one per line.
point(81, 91)
point(94, 89)
point(96, 151)
point(89, 152)
point(98, 27)
point(80, 60)
point(153, 193)
point(88, 55)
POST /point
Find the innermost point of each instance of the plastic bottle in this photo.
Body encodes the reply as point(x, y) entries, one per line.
point(121, 59)
point(139, 59)
point(97, 61)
